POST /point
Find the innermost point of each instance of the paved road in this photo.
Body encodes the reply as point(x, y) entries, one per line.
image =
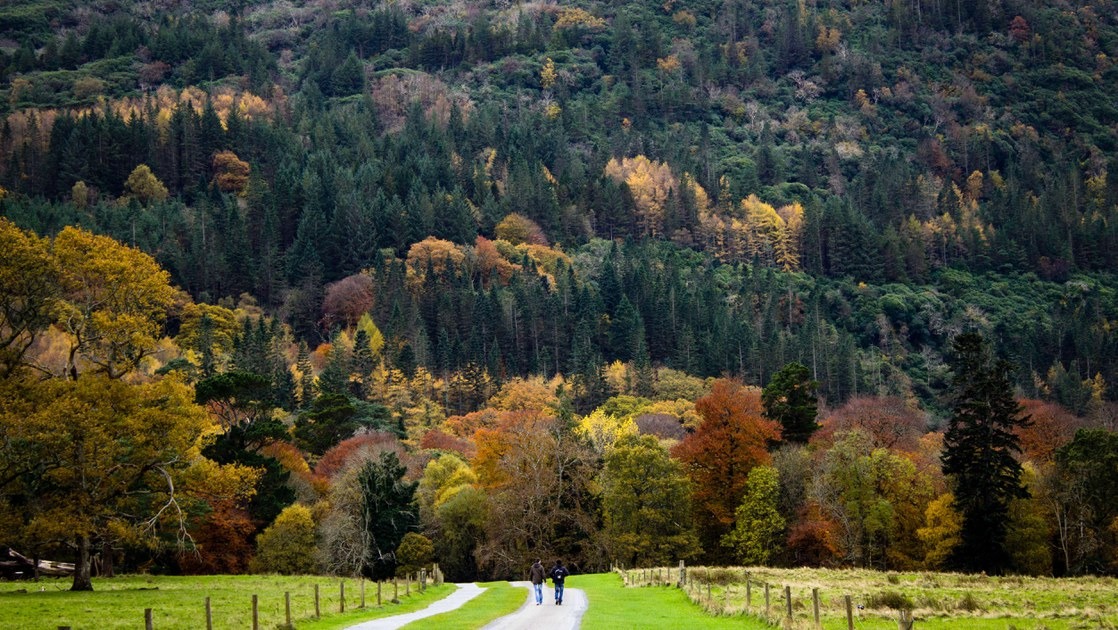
point(532, 617)
point(528, 617)
point(465, 593)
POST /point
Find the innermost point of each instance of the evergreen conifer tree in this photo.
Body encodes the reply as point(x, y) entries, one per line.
point(790, 399)
point(978, 455)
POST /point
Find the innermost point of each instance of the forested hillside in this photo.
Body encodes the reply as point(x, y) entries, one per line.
point(466, 228)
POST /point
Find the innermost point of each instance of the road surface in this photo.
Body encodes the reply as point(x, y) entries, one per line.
point(528, 617)
point(548, 615)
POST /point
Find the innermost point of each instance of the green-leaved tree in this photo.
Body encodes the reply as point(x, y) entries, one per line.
point(646, 501)
point(757, 521)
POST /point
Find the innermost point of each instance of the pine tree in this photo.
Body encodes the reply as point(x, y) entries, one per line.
point(979, 447)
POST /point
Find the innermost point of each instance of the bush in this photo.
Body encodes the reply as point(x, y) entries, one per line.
point(718, 576)
point(968, 603)
point(891, 599)
point(414, 553)
point(287, 546)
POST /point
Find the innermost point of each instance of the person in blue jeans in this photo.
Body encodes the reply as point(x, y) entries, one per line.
point(558, 574)
point(537, 574)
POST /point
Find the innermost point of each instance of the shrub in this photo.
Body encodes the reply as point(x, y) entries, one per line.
point(891, 599)
point(968, 603)
point(287, 546)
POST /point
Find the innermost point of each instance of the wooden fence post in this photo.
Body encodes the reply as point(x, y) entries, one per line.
point(748, 594)
point(255, 613)
point(341, 596)
point(209, 615)
point(849, 613)
point(317, 610)
point(788, 602)
point(682, 574)
point(815, 605)
point(904, 621)
point(287, 609)
point(768, 608)
point(407, 584)
point(148, 623)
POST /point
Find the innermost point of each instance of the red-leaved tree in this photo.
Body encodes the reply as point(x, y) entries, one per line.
point(891, 422)
point(347, 300)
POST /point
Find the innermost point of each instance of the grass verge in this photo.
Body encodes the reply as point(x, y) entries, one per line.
point(178, 603)
point(498, 600)
point(615, 607)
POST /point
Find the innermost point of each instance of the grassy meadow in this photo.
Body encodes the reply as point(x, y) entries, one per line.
point(178, 603)
point(935, 600)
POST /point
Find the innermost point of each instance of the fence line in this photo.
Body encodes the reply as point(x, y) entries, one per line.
point(421, 579)
point(716, 597)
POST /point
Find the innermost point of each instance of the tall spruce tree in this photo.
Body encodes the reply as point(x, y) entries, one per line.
point(978, 454)
point(791, 399)
point(388, 511)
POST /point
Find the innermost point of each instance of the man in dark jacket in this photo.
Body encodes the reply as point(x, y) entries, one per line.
point(558, 574)
point(537, 574)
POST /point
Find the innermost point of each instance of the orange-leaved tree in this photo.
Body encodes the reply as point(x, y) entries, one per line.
point(732, 438)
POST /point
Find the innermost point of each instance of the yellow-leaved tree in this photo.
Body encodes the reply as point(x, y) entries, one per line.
point(942, 533)
point(601, 430)
point(114, 302)
point(754, 231)
point(99, 459)
point(650, 183)
point(29, 277)
point(144, 186)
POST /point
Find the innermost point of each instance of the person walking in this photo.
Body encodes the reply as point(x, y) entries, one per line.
point(537, 574)
point(558, 574)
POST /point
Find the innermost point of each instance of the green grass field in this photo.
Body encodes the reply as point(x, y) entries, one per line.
point(936, 600)
point(615, 607)
point(179, 602)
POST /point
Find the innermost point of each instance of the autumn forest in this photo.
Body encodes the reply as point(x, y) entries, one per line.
point(341, 287)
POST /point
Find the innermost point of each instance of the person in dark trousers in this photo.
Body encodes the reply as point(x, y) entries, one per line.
point(537, 574)
point(558, 574)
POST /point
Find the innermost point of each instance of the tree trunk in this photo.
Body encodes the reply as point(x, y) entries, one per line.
point(82, 581)
point(107, 560)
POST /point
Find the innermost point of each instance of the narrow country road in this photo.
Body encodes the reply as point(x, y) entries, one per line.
point(528, 617)
point(548, 615)
point(465, 593)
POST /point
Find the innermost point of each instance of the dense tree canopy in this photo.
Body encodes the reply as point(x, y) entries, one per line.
point(515, 246)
